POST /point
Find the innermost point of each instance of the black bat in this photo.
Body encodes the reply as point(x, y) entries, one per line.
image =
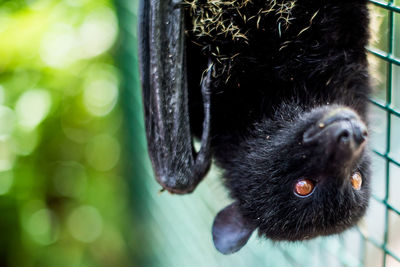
point(276, 91)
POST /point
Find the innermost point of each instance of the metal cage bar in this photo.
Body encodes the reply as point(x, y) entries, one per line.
point(390, 111)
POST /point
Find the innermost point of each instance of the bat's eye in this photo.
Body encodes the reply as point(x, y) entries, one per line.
point(304, 187)
point(356, 180)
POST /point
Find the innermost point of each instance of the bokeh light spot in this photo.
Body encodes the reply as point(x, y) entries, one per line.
point(76, 2)
point(6, 182)
point(32, 108)
point(40, 227)
point(59, 46)
point(85, 224)
point(100, 97)
point(25, 141)
point(38, 4)
point(7, 121)
point(63, 44)
point(103, 152)
point(7, 156)
point(2, 95)
point(98, 32)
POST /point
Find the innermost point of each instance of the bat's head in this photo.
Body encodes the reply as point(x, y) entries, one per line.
point(298, 175)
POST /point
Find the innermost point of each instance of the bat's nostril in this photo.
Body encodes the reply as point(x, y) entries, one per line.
point(364, 134)
point(360, 132)
point(342, 133)
point(343, 136)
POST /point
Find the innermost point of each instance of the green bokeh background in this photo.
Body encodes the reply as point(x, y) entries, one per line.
point(76, 186)
point(63, 194)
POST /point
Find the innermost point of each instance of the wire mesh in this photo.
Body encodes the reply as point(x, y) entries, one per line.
point(176, 230)
point(386, 145)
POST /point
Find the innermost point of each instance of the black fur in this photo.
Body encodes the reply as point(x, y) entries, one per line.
point(264, 99)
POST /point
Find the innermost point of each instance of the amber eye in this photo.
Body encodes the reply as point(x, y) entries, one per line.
point(304, 187)
point(356, 180)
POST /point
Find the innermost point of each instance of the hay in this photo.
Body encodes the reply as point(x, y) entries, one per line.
point(214, 23)
point(215, 18)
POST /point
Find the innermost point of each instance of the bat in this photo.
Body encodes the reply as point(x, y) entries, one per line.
point(276, 92)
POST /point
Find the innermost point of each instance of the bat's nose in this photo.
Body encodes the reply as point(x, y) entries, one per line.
point(349, 132)
point(340, 132)
point(344, 138)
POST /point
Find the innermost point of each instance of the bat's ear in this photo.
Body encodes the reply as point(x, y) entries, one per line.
point(230, 230)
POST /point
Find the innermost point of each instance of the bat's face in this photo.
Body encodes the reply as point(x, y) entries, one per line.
point(323, 187)
point(303, 174)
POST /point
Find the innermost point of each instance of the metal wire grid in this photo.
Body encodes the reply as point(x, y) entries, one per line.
point(175, 230)
point(388, 51)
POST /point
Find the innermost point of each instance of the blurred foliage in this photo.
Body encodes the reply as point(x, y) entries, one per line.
point(63, 199)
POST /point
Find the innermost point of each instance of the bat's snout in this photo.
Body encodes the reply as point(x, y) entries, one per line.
point(347, 136)
point(340, 133)
point(349, 133)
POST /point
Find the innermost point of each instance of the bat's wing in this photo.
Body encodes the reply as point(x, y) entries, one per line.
point(178, 168)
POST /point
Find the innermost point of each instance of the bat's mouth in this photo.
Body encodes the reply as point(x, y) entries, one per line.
point(340, 133)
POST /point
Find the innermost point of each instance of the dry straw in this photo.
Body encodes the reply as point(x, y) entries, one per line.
point(215, 18)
